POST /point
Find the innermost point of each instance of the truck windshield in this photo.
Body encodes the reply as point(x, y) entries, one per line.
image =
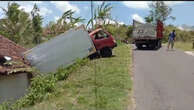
point(100, 35)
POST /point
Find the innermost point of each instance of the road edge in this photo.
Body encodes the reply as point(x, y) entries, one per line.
point(132, 106)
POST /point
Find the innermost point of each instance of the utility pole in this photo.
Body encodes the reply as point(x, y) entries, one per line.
point(95, 83)
point(92, 12)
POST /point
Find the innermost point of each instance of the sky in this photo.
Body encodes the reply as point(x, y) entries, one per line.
point(123, 11)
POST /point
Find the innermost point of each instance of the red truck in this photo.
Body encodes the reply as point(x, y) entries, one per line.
point(147, 35)
point(103, 42)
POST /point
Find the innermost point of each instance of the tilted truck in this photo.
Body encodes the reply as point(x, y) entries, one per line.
point(147, 35)
point(65, 48)
point(103, 42)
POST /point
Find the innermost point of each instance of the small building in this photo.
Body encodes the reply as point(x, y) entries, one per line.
point(13, 86)
point(11, 49)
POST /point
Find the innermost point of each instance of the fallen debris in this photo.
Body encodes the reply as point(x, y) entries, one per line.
point(14, 67)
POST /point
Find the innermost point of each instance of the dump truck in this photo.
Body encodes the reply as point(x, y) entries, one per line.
point(103, 41)
point(147, 35)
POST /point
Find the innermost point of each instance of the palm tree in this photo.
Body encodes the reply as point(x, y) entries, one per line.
point(101, 14)
point(65, 22)
point(16, 25)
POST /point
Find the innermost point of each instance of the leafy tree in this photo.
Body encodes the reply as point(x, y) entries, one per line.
point(159, 11)
point(37, 23)
point(68, 16)
point(65, 22)
point(16, 25)
point(101, 14)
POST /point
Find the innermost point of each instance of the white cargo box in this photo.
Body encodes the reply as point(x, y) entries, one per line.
point(62, 50)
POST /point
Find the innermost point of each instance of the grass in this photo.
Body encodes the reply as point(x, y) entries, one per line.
point(109, 90)
point(185, 46)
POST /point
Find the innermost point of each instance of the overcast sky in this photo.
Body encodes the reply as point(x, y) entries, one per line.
point(123, 11)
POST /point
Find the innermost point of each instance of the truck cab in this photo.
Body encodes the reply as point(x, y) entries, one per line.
point(103, 42)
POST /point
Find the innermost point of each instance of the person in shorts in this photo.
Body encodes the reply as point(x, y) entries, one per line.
point(171, 39)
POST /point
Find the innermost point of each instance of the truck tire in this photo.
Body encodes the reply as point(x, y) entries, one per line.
point(153, 46)
point(106, 52)
point(160, 43)
point(139, 46)
point(94, 55)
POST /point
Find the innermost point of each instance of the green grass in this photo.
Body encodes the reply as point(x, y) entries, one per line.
point(185, 46)
point(109, 90)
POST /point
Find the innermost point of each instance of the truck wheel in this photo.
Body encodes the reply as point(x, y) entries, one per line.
point(153, 46)
point(94, 55)
point(139, 46)
point(106, 52)
point(160, 43)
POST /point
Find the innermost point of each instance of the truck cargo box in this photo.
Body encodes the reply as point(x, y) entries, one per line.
point(144, 31)
point(62, 50)
point(147, 34)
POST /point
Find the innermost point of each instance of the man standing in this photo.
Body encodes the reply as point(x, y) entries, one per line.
point(171, 39)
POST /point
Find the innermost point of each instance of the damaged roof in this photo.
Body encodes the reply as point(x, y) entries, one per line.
point(11, 49)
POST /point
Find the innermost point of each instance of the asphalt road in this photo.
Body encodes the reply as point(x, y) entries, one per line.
point(163, 80)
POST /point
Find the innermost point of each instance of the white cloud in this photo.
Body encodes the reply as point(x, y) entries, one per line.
point(65, 6)
point(27, 8)
point(44, 11)
point(145, 4)
point(137, 4)
point(37, 2)
point(98, 2)
point(108, 21)
point(171, 3)
point(121, 23)
point(56, 18)
point(181, 28)
point(138, 18)
point(86, 8)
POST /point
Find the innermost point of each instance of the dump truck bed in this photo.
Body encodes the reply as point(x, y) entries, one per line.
point(144, 31)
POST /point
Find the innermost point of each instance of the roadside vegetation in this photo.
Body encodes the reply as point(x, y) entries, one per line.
point(102, 84)
point(185, 46)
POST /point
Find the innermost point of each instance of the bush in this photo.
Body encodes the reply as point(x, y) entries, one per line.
point(181, 35)
point(42, 86)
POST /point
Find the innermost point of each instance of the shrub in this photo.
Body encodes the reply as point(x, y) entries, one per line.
point(43, 85)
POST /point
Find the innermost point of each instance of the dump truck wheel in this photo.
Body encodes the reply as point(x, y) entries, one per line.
point(160, 43)
point(139, 46)
point(106, 52)
point(94, 55)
